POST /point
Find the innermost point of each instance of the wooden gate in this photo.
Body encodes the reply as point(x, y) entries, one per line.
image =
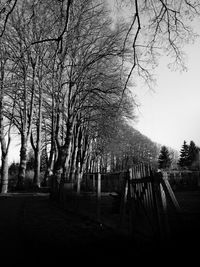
point(146, 203)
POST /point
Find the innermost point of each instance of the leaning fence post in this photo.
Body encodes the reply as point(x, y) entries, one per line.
point(155, 197)
point(166, 231)
point(169, 192)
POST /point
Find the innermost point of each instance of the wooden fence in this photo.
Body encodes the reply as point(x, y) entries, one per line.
point(147, 203)
point(142, 197)
point(109, 182)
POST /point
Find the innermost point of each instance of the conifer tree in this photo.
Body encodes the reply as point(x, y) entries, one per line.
point(192, 153)
point(183, 159)
point(164, 160)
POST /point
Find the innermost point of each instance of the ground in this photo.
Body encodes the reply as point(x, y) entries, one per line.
point(34, 231)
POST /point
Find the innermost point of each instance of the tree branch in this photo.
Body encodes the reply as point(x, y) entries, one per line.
point(6, 19)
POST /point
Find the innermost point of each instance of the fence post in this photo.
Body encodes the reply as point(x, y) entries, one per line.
point(131, 200)
point(98, 196)
point(124, 199)
point(166, 231)
point(169, 192)
point(156, 201)
point(98, 190)
point(198, 179)
point(79, 184)
point(79, 179)
point(93, 182)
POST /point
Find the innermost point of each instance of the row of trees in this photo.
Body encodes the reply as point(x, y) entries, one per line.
point(65, 69)
point(59, 94)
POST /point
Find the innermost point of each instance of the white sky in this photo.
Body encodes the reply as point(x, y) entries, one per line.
point(171, 114)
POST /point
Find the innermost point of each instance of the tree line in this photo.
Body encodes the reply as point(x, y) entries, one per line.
point(189, 157)
point(60, 95)
point(65, 79)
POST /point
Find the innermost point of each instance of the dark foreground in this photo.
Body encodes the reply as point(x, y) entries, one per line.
point(36, 232)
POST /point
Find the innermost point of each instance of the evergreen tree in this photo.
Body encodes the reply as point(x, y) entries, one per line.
point(184, 152)
point(164, 160)
point(192, 153)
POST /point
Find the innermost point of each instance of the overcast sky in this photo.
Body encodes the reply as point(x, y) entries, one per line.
point(171, 114)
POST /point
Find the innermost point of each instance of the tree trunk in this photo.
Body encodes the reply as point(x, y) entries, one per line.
point(73, 168)
point(4, 163)
point(4, 174)
point(52, 154)
point(4, 146)
point(58, 170)
point(37, 165)
point(36, 179)
point(50, 164)
point(22, 165)
point(62, 159)
point(4, 157)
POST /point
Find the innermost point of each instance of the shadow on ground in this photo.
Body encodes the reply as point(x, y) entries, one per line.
point(35, 231)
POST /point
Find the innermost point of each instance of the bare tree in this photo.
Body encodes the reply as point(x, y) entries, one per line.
point(24, 80)
point(156, 28)
point(80, 85)
point(6, 9)
point(5, 136)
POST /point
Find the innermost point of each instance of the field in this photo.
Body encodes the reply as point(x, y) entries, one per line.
point(35, 229)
